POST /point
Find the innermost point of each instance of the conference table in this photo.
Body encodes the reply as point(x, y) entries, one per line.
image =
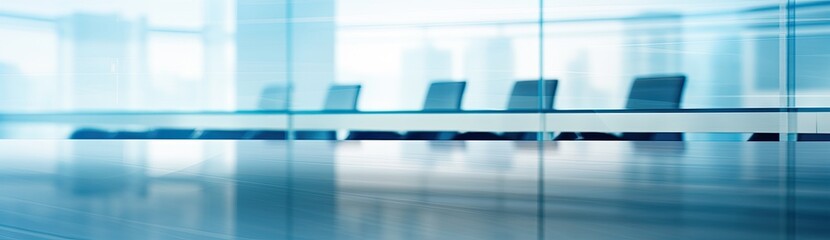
point(717, 120)
point(189, 189)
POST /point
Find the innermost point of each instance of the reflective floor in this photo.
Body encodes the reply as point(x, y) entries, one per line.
point(413, 190)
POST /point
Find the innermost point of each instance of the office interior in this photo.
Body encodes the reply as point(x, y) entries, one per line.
point(394, 119)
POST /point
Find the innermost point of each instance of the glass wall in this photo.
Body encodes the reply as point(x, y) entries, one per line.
point(219, 55)
point(117, 55)
point(811, 53)
point(727, 50)
point(252, 55)
point(197, 55)
point(395, 49)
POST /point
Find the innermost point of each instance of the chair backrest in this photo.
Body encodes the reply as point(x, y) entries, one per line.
point(274, 97)
point(339, 98)
point(444, 96)
point(525, 95)
point(342, 98)
point(659, 92)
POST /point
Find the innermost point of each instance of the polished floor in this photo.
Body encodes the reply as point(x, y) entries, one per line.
point(86, 189)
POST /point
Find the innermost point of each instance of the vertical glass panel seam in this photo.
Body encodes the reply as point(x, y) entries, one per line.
point(541, 136)
point(787, 82)
point(289, 68)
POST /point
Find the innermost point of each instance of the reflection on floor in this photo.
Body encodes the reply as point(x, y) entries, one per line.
point(413, 190)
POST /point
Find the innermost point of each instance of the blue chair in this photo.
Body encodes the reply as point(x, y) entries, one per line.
point(167, 133)
point(656, 92)
point(523, 97)
point(273, 97)
point(223, 134)
point(90, 133)
point(661, 92)
point(340, 98)
point(442, 96)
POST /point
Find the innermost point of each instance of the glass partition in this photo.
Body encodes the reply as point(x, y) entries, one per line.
point(396, 49)
point(325, 56)
point(118, 56)
point(650, 75)
point(728, 51)
point(811, 53)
